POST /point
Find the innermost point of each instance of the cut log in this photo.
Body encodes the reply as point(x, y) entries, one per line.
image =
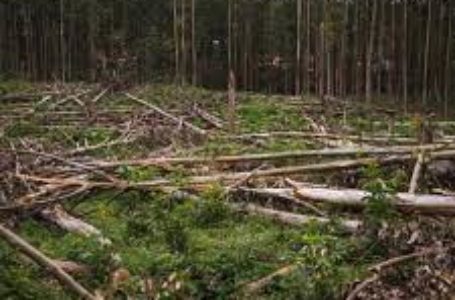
point(167, 115)
point(357, 198)
point(229, 177)
point(294, 219)
point(19, 243)
point(272, 156)
point(354, 138)
point(60, 217)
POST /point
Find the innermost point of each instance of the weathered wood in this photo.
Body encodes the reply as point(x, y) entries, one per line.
point(167, 115)
point(416, 173)
point(209, 118)
point(358, 198)
point(19, 243)
point(295, 219)
point(60, 217)
point(353, 138)
point(272, 156)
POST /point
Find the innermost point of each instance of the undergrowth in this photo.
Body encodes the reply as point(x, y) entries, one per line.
point(198, 249)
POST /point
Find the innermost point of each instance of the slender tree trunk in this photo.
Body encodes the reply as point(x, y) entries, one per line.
point(229, 25)
point(356, 46)
point(404, 59)
point(381, 56)
point(447, 79)
point(426, 55)
point(343, 57)
point(392, 57)
point(176, 43)
point(62, 42)
point(370, 51)
point(183, 43)
point(308, 47)
point(298, 48)
point(193, 42)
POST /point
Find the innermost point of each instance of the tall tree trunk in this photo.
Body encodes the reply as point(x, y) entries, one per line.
point(62, 42)
point(426, 55)
point(448, 61)
point(183, 43)
point(370, 50)
point(298, 48)
point(404, 59)
point(193, 42)
point(392, 57)
point(308, 48)
point(229, 26)
point(176, 42)
point(343, 57)
point(381, 56)
point(356, 46)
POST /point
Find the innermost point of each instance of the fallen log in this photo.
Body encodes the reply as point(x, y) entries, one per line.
point(228, 177)
point(60, 217)
point(358, 198)
point(294, 219)
point(156, 161)
point(353, 138)
point(19, 243)
point(167, 115)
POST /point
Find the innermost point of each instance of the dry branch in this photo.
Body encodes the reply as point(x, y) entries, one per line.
point(167, 115)
point(100, 95)
point(209, 118)
point(259, 284)
point(17, 242)
point(390, 263)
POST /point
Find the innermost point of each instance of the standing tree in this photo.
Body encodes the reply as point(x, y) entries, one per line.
point(370, 51)
point(298, 48)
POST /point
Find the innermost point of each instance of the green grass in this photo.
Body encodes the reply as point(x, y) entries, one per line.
point(214, 250)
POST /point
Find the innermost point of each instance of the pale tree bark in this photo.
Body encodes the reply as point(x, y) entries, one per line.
point(370, 51)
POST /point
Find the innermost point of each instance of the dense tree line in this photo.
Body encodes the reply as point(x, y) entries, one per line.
point(400, 48)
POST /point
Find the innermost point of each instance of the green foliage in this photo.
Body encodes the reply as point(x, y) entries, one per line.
point(14, 85)
point(23, 129)
point(379, 207)
point(258, 115)
point(137, 174)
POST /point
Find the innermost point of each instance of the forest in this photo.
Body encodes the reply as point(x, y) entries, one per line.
point(227, 149)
